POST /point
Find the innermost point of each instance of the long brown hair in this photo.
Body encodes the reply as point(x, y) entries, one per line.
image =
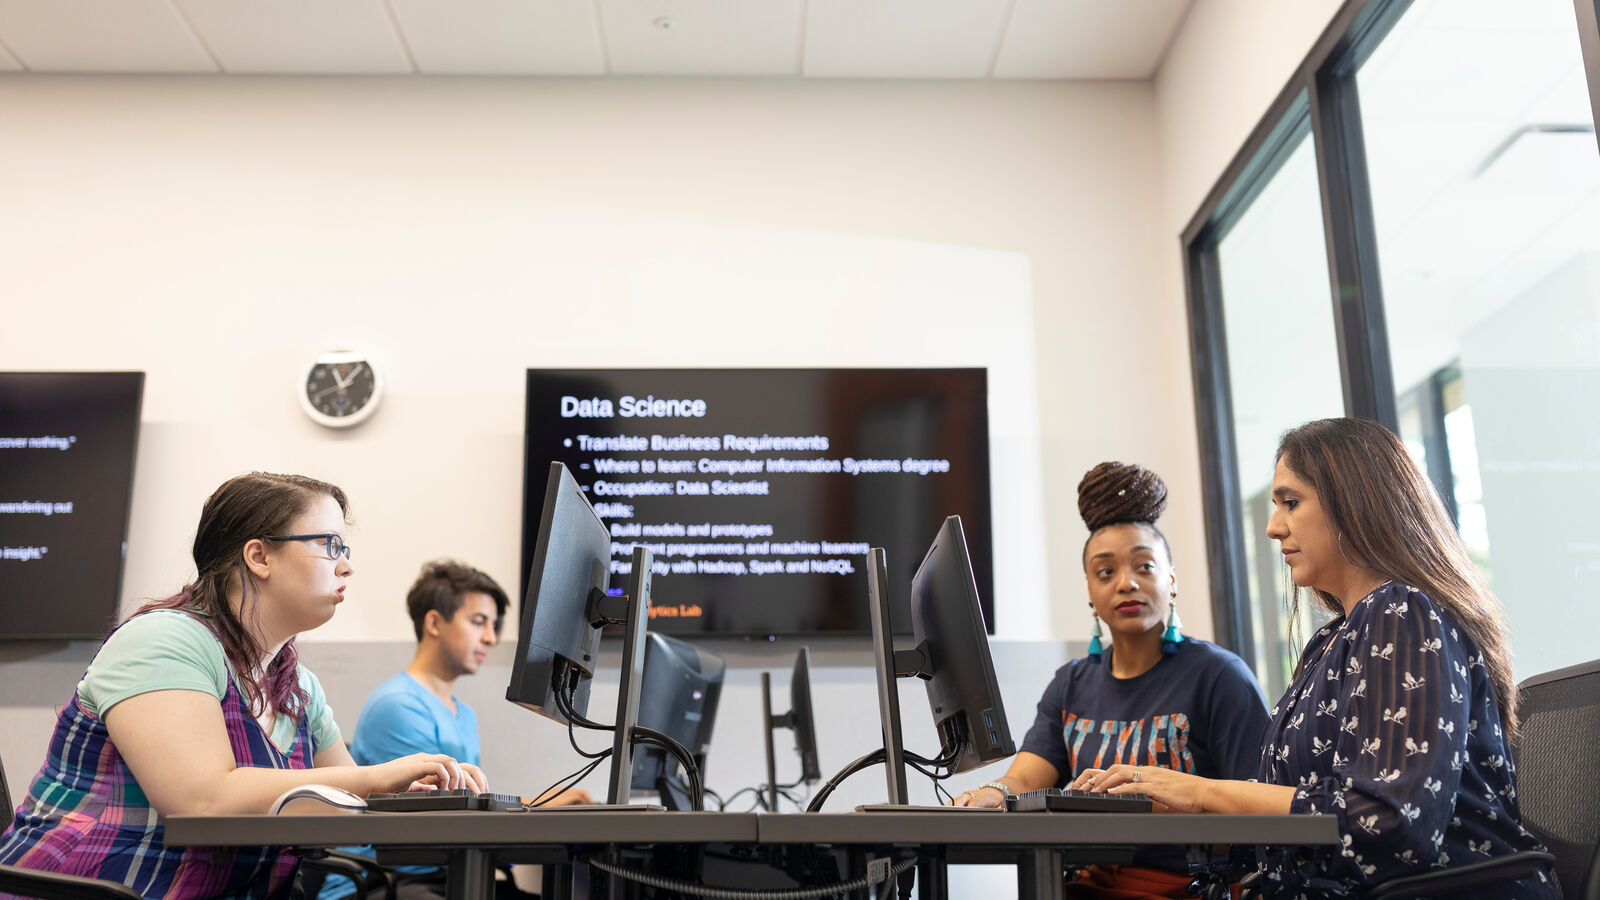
point(241, 510)
point(1392, 522)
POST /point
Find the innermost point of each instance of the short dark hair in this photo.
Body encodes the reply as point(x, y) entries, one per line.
point(442, 586)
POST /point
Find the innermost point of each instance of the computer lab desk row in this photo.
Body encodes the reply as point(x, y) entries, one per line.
point(472, 843)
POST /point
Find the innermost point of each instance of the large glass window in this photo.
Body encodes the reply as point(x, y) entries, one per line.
point(1283, 369)
point(1485, 185)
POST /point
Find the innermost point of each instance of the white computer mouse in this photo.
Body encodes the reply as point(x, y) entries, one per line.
point(316, 800)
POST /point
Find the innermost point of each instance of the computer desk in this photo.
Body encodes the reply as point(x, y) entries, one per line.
point(471, 843)
point(1039, 844)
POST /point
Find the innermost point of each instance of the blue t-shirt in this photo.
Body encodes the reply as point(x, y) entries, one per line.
point(402, 717)
point(1199, 710)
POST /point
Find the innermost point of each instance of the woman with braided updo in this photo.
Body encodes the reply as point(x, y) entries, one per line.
point(1152, 697)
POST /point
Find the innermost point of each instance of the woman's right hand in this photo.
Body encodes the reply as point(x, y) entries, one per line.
point(983, 796)
point(427, 772)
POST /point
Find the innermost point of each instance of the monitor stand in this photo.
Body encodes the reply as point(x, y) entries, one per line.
point(891, 667)
point(633, 632)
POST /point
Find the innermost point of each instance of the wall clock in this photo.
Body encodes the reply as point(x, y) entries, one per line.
point(341, 388)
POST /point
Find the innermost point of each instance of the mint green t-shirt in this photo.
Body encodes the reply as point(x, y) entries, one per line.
point(170, 650)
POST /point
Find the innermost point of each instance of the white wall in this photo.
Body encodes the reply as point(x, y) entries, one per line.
point(219, 232)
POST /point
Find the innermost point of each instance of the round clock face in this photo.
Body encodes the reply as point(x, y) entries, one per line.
point(340, 389)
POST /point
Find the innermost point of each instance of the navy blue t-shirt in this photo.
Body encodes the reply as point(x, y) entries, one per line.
point(1199, 710)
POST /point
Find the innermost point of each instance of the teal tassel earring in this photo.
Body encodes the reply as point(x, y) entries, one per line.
point(1172, 637)
point(1095, 647)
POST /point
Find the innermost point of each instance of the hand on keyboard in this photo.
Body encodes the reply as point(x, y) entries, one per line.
point(1058, 800)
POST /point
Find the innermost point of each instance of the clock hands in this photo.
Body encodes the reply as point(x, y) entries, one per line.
point(340, 384)
point(354, 371)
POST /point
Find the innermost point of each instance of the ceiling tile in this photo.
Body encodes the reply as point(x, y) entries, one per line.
point(501, 37)
point(896, 39)
point(701, 37)
point(100, 36)
point(302, 36)
point(1088, 38)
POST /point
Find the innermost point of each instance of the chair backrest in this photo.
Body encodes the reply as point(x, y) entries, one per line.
point(1558, 782)
point(6, 809)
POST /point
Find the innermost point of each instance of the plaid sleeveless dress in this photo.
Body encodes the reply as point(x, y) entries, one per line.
point(86, 815)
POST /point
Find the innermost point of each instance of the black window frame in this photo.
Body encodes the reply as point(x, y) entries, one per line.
point(1321, 97)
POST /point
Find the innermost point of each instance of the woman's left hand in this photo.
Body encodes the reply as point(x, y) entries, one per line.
point(465, 777)
point(1171, 791)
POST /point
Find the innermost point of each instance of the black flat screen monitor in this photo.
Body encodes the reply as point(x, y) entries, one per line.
point(678, 697)
point(563, 610)
point(760, 490)
point(67, 446)
point(803, 720)
point(799, 719)
point(557, 643)
point(947, 624)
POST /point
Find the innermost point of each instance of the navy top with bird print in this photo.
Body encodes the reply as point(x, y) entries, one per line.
point(1392, 726)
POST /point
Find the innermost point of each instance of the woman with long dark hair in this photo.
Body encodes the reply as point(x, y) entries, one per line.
point(1154, 696)
point(197, 705)
point(1402, 712)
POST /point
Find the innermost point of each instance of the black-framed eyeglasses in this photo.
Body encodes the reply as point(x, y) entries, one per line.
point(333, 545)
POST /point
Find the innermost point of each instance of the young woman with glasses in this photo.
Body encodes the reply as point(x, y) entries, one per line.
point(197, 705)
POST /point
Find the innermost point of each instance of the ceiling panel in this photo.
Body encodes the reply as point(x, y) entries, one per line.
point(100, 36)
point(301, 36)
point(895, 39)
point(1088, 38)
point(501, 37)
point(702, 37)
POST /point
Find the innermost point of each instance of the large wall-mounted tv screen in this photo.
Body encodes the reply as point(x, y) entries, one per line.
point(67, 443)
point(760, 490)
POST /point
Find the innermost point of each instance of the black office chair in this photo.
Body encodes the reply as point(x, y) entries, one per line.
point(51, 885)
point(370, 879)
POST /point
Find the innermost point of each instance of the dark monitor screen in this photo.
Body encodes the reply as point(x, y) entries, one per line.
point(947, 622)
point(759, 490)
point(67, 446)
point(804, 720)
point(556, 642)
point(678, 698)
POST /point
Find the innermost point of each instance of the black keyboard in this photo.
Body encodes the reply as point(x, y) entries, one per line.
point(433, 801)
point(1059, 800)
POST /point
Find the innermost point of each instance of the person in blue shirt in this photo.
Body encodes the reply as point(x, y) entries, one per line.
point(1400, 718)
point(1154, 697)
point(456, 612)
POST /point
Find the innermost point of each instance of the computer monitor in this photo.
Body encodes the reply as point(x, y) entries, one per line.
point(678, 697)
point(565, 607)
point(951, 655)
point(799, 719)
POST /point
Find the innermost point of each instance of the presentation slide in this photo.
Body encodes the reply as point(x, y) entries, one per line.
point(67, 443)
point(759, 491)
